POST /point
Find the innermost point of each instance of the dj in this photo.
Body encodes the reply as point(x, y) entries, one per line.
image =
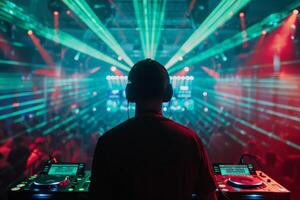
point(150, 157)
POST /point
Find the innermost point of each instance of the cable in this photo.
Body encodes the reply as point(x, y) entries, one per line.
point(127, 109)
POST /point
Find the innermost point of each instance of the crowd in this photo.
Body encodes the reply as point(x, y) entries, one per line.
point(23, 154)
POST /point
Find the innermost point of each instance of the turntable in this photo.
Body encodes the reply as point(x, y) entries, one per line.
point(50, 183)
point(243, 182)
point(56, 181)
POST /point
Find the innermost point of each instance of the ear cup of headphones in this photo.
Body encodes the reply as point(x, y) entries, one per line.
point(130, 94)
point(168, 93)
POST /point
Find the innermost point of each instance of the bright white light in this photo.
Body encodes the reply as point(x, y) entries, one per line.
point(76, 57)
point(120, 58)
point(94, 109)
point(293, 26)
point(165, 109)
point(186, 69)
point(184, 87)
point(204, 94)
point(205, 109)
point(95, 93)
point(113, 68)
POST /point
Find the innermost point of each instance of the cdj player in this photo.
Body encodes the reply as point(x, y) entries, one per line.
point(56, 181)
point(71, 181)
point(243, 182)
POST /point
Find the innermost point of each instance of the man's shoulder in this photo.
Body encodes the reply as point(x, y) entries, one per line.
point(166, 123)
point(181, 128)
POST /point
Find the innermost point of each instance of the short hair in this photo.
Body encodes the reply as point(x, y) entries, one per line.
point(149, 79)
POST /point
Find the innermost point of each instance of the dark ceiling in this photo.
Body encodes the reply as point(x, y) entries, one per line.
point(179, 23)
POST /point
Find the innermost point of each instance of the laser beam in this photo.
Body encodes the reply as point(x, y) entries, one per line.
point(14, 14)
point(222, 13)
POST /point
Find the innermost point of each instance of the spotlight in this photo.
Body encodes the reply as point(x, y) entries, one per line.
point(15, 104)
point(76, 111)
point(120, 58)
point(205, 109)
point(56, 13)
point(113, 68)
point(293, 26)
point(204, 94)
point(186, 69)
point(264, 32)
point(30, 32)
point(295, 12)
point(95, 93)
point(76, 57)
point(242, 14)
point(94, 109)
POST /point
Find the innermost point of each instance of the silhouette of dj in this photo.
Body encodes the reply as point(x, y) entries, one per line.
point(150, 157)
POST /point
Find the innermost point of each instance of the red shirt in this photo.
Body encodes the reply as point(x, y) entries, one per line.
point(150, 158)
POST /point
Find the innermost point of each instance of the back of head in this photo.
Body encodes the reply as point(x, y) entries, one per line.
point(148, 79)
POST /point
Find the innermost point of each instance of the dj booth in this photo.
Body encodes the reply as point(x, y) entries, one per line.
point(71, 181)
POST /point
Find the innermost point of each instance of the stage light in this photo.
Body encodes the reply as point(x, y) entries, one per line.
point(30, 32)
point(264, 32)
point(295, 12)
point(186, 69)
point(95, 93)
point(74, 105)
point(15, 104)
point(21, 19)
point(217, 18)
point(76, 57)
point(55, 13)
point(94, 109)
point(204, 94)
point(120, 58)
point(205, 109)
point(293, 26)
point(113, 68)
point(68, 12)
point(88, 16)
point(242, 14)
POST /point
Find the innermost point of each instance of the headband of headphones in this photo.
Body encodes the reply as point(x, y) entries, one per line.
point(148, 79)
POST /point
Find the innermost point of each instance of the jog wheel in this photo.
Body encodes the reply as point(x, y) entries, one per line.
point(246, 182)
point(49, 183)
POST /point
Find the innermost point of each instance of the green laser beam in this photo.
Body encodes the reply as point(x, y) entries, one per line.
point(222, 13)
point(14, 14)
point(268, 24)
point(254, 127)
point(87, 15)
point(150, 19)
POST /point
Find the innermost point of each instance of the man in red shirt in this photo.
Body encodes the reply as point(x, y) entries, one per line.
point(150, 157)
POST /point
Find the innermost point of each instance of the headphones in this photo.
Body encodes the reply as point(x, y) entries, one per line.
point(131, 90)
